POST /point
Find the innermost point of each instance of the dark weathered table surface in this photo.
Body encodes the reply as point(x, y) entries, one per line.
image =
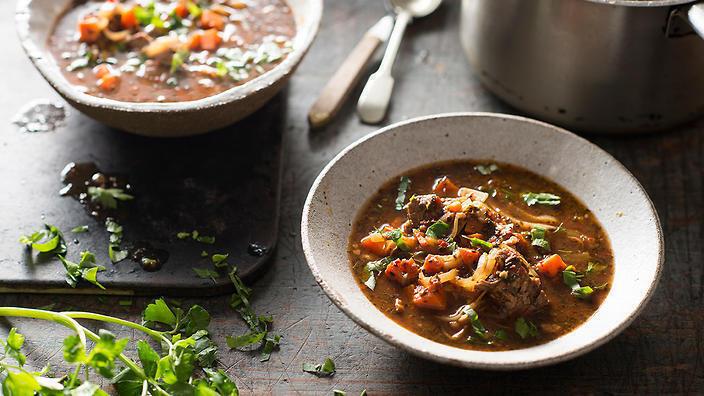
point(662, 352)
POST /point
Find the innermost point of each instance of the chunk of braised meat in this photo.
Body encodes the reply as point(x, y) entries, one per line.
point(424, 210)
point(514, 288)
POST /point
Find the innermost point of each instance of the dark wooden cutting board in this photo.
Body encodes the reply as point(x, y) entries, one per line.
point(225, 184)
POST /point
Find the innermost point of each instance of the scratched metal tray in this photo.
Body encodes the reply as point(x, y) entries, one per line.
point(224, 184)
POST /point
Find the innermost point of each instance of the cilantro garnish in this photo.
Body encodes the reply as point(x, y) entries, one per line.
point(206, 273)
point(50, 240)
point(115, 253)
point(594, 267)
point(324, 369)
point(537, 237)
point(86, 269)
point(373, 268)
point(108, 197)
point(259, 333)
point(403, 185)
point(542, 198)
point(219, 260)
point(572, 278)
point(79, 229)
point(438, 230)
point(486, 169)
point(525, 328)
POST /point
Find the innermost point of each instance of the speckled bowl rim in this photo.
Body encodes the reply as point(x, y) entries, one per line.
point(642, 3)
point(564, 355)
point(47, 67)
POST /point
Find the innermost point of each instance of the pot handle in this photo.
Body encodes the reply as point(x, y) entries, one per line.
point(695, 17)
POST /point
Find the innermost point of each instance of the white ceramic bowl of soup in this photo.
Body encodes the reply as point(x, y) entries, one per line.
point(35, 21)
point(604, 185)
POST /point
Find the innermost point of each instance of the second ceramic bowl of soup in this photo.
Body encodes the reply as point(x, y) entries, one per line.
point(36, 20)
point(600, 182)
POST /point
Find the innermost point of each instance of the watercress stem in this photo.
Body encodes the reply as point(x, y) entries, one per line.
point(157, 335)
point(57, 317)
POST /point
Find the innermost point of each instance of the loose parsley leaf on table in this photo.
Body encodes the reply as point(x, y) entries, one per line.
point(80, 229)
point(219, 260)
point(108, 197)
point(324, 369)
point(259, 333)
point(48, 240)
point(115, 253)
point(206, 273)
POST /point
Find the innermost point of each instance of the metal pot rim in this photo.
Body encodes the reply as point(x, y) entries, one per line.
point(641, 3)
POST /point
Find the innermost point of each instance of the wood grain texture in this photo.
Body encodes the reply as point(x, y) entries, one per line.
point(661, 353)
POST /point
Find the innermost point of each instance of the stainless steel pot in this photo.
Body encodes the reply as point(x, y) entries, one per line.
point(591, 65)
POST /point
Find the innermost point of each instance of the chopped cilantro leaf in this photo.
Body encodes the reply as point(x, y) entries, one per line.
point(486, 169)
point(542, 198)
point(325, 369)
point(79, 229)
point(206, 273)
point(438, 230)
point(108, 197)
point(594, 267)
point(403, 185)
point(183, 235)
point(525, 328)
point(537, 237)
point(219, 260)
point(572, 278)
point(373, 268)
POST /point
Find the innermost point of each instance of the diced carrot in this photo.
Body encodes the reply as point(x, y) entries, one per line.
point(211, 20)
point(432, 264)
point(108, 82)
point(89, 29)
point(445, 187)
point(408, 242)
point(374, 243)
point(210, 40)
point(468, 256)
point(181, 10)
point(552, 265)
point(454, 207)
point(402, 271)
point(193, 40)
point(128, 18)
point(429, 299)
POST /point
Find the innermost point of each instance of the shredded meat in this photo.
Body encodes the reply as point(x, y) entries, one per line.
point(514, 288)
point(424, 209)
